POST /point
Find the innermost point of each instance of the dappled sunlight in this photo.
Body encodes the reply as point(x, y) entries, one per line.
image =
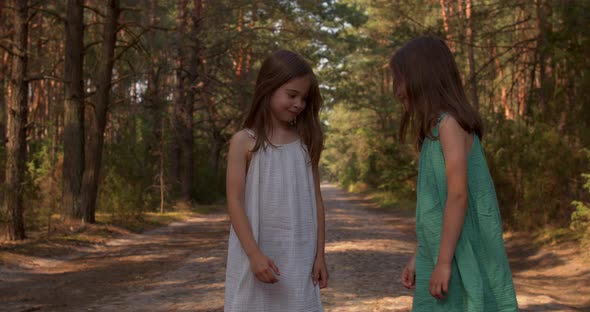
point(382, 245)
point(28, 263)
point(528, 303)
point(205, 259)
point(350, 301)
point(392, 304)
point(211, 286)
point(365, 256)
point(182, 268)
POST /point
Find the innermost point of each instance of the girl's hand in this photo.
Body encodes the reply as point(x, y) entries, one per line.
point(409, 274)
point(439, 281)
point(320, 272)
point(263, 268)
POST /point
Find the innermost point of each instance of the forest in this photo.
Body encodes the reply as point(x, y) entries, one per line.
point(125, 107)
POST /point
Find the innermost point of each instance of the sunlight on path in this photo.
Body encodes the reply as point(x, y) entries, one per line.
point(182, 268)
point(365, 252)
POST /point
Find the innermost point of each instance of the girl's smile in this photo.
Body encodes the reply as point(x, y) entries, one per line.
point(290, 99)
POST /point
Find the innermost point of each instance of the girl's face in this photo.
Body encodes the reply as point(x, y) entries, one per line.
point(290, 99)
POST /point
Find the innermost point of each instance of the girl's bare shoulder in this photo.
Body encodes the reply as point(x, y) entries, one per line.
point(449, 125)
point(243, 140)
point(453, 136)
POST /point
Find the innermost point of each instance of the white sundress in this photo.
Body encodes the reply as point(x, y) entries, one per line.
point(280, 203)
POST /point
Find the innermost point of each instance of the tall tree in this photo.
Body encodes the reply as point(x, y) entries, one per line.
point(73, 164)
point(17, 123)
point(97, 117)
point(183, 109)
point(3, 70)
point(469, 33)
point(447, 12)
point(193, 71)
point(155, 105)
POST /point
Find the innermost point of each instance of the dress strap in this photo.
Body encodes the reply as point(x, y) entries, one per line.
point(250, 133)
point(436, 127)
point(441, 117)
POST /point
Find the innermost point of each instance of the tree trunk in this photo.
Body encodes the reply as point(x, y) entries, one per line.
point(523, 65)
point(17, 123)
point(97, 117)
point(156, 146)
point(2, 111)
point(186, 74)
point(162, 176)
point(240, 57)
point(179, 95)
point(73, 164)
point(3, 87)
point(470, 55)
point(155, 108)
point(447, 12)
point(188, 125)
point(543, 33)
point(503, 94)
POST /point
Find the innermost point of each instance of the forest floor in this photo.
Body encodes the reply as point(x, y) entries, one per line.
point(181, 267)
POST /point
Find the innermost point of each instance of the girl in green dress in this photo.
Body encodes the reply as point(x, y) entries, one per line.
point(460, 263)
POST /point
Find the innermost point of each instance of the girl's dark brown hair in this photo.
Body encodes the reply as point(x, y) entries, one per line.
point(280, 67)
point(425, 71)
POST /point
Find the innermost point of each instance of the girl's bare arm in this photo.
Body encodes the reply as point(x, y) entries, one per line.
point(320, 271)
point(321, 213)
point(235, 188)
point(237, 160)
point(455, 144)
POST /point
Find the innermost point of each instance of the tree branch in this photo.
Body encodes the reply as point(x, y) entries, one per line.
point(10, 50)
point(96, 11)
point(137, 38)
point(51, 13)
point(43, 77)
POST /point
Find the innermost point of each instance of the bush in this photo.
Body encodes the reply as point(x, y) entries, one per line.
point(123, 198)
point(532, 167)
point(128, 180)
point(43, 185)
point(208, 184)
point(580, 218)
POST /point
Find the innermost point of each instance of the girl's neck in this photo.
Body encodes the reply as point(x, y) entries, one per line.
point(281, 126)
point(281, 131)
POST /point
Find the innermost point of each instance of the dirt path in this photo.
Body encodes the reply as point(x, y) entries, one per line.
point(181, 268)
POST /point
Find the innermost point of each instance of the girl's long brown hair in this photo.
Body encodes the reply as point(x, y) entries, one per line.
point(280, 67)
point(428, 74)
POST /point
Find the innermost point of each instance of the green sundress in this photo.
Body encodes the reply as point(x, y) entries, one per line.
point(481, 279)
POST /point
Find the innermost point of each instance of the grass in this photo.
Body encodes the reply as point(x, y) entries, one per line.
point(66, 235)
point(388, 200)
point(555, 236)
point(385, 200)
point(141, 223)
point(547, 236)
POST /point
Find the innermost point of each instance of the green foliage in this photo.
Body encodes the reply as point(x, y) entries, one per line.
point(43, 185)
point(580, 218)
point(121, 196)
point(359, 155)
point(208, 185)
point(128, 186)
point(532, 99)
point(208, 182)
point(522, 50)
point(532, 168)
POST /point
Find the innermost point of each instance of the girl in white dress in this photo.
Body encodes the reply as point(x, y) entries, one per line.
point(275, 257)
